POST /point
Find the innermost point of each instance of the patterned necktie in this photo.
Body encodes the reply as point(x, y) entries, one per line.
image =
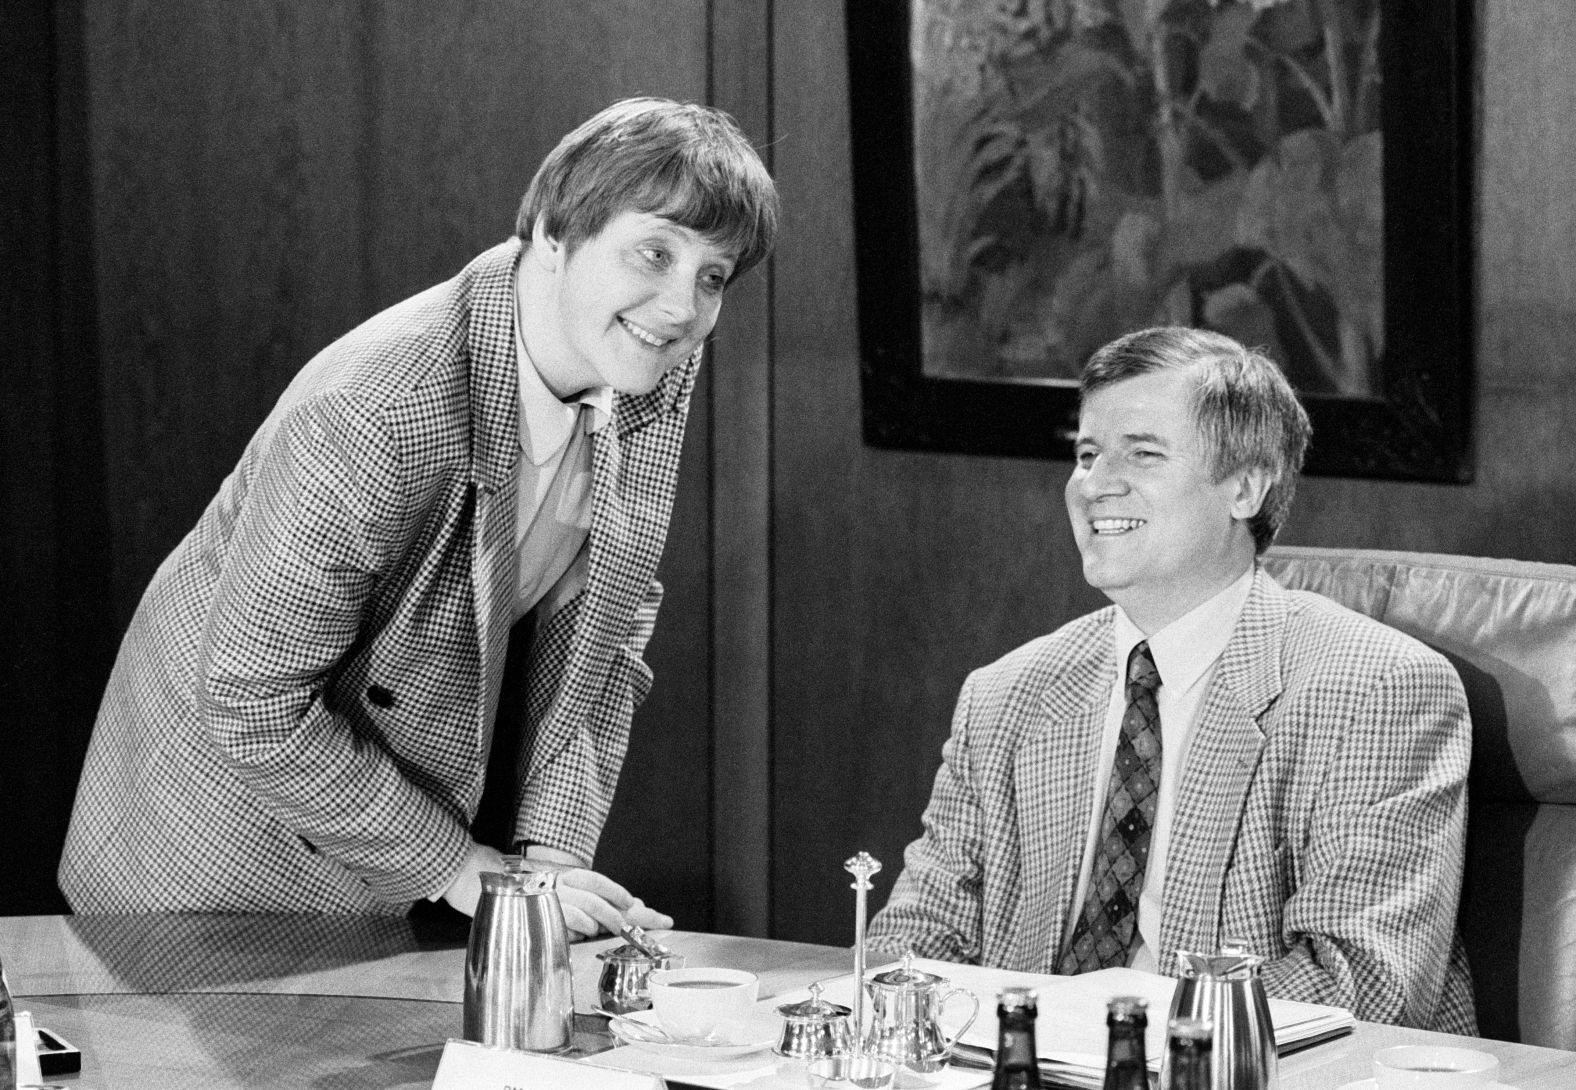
point(1107, 928)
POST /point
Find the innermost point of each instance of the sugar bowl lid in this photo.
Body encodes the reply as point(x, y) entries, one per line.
point(628, 952)
point(814, 1010)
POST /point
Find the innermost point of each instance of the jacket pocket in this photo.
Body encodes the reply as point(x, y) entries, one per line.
point(640, 675)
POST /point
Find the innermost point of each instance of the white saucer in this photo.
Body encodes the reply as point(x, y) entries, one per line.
point(1368, 1084)
point(760, 1031)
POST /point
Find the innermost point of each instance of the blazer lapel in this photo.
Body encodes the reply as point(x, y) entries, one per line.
point(1053, 783)
point(493, 582)
point(495, 456)
point(1221, 760)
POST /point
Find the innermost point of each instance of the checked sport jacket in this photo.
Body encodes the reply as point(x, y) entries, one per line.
point(1320, 818)
point(300, 713)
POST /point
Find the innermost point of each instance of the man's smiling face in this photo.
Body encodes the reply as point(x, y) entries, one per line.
point(1157, 533)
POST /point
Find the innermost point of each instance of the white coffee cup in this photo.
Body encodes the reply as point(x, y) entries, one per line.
point(701, 1003)
point(1433, 1067)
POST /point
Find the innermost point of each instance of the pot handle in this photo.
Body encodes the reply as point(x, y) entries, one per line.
point(974, 1013)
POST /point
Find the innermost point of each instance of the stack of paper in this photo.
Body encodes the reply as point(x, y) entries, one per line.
point(1071, 1031)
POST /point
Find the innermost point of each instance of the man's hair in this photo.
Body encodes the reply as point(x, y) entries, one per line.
point(1243, 407)
point(687, 163)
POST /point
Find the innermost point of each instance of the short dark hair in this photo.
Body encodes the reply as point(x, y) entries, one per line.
point(679, 160)
point(1243, 406)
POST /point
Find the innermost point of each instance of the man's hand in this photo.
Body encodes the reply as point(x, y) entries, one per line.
point(466, 889)
point(594, 903)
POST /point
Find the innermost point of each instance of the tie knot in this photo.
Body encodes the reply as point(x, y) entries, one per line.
point(1141, 668)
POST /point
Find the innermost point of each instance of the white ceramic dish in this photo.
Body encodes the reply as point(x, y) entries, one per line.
point(759, 1033)
point(1369, 1084)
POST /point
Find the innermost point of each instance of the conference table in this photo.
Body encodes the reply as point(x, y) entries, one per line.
point(342, 1003)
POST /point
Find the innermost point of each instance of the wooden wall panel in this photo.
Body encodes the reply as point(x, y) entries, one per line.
point(466, 99)
point(740, 389)
point(1523, 502)
point(894, 573)
point(56, 625)
point(228, 218)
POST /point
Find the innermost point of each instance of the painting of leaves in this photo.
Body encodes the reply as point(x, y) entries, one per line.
point(1089, 167)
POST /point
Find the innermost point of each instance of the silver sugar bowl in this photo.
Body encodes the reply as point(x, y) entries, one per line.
point(814, 1029)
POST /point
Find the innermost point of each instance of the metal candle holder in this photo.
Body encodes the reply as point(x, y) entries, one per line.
point(861, 866)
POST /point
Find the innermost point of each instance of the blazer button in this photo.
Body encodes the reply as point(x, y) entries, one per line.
point(380, 696)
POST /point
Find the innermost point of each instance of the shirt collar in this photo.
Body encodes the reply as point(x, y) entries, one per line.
point(1184, 649)
point(546, 423)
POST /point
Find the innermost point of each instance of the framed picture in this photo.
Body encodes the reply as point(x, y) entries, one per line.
point(1033, 179)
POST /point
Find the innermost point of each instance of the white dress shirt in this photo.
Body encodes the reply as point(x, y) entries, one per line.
point(553, 523)
point(1186, 652)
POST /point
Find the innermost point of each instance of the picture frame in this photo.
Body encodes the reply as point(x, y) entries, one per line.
point(1402, 413)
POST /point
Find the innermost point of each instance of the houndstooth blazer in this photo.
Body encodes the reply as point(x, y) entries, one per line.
point(300, 713)
point(1321, 815)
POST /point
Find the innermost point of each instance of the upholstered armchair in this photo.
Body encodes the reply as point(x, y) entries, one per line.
point(1510, 629)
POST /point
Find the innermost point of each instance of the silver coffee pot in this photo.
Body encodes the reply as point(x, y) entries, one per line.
point(1225, 990)
point(518, 988)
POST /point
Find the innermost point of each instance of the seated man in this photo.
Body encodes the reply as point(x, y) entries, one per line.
point(1276, 769)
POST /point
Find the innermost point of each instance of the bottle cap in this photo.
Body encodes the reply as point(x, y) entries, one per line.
point(1017, 998)
point(1127, 1008)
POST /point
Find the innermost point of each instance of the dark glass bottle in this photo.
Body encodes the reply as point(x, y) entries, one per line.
point(1190, 1047)
point(1017, 1060)
point(1125, 1068)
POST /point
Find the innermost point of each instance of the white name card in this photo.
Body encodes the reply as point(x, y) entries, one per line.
point(467, 1065)
point(27, 1072)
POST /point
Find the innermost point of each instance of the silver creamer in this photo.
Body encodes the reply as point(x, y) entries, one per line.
point(1225, 990)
